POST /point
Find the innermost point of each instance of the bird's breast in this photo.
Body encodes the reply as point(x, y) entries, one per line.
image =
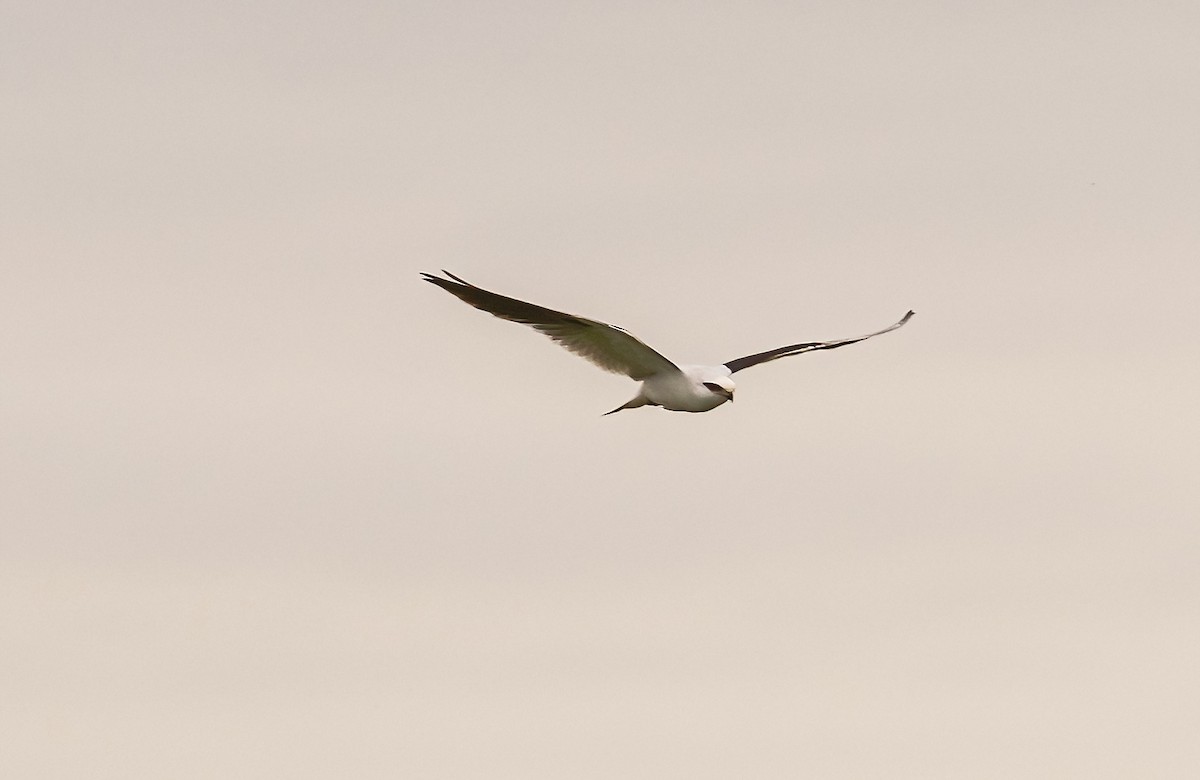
point(680, 393)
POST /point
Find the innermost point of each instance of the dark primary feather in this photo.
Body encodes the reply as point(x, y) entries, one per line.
point(607, 346)
point(799, 349)
point(501, 305)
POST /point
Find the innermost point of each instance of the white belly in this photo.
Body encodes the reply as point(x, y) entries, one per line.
point(680, 393)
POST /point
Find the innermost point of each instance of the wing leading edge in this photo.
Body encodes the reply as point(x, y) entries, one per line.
point(799, 349)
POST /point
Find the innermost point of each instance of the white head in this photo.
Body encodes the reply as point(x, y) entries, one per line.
point(721, 386)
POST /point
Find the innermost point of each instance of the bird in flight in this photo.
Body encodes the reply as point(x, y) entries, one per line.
point(679, 388)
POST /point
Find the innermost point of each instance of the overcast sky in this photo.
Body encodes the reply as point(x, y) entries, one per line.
point(273, 507)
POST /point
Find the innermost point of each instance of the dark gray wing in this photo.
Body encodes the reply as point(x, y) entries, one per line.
point(608, 346)
point(799, 349)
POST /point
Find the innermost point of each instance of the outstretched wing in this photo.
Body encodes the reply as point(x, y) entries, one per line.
point(799, 349)
point(608, 346)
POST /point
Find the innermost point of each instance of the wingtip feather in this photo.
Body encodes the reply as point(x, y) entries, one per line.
point(444, 282)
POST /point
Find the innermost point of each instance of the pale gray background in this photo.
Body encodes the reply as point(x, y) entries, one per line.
point(273, 507)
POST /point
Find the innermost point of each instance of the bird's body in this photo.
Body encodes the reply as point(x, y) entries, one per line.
point(686, 390)
point(676, 388)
